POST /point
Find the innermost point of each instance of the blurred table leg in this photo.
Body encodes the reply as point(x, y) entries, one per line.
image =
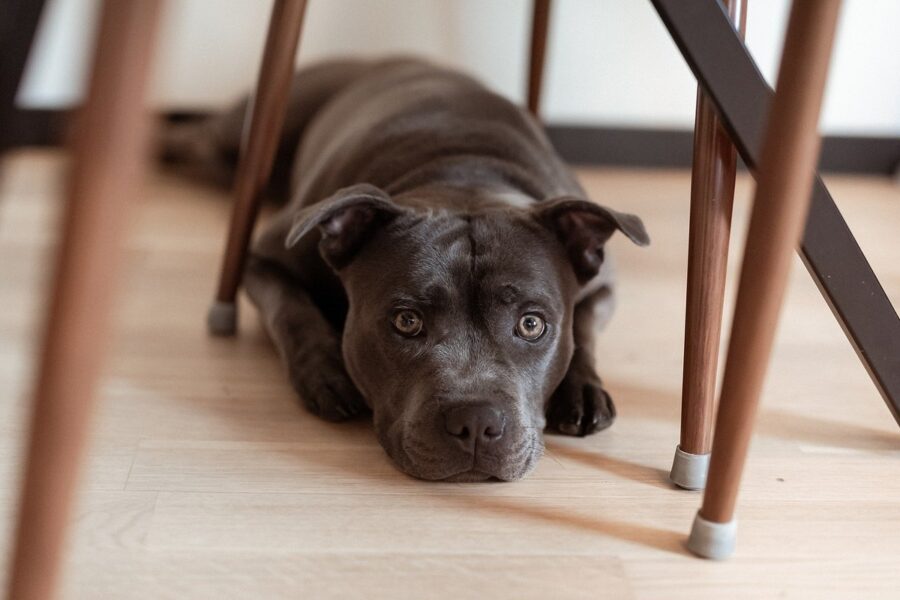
point(540, 21)
point(107, 158)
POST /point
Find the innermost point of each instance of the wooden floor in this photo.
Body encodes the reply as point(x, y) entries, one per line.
point(206, 480)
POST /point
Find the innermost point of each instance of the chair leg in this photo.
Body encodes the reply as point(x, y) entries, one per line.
point(107, 154)
point(266, 118)
point(712, 197)
point(784, 185)
point(540, 20)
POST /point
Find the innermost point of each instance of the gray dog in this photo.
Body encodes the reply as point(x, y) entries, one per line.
point(436, 264)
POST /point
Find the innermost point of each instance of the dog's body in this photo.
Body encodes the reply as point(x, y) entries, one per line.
point(437, 263)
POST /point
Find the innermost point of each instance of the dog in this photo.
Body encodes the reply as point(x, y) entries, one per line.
point(436, 264)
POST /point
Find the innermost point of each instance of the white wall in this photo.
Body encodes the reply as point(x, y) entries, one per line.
point(610, 62)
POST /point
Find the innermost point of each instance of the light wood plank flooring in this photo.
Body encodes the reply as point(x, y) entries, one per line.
point(206, 479)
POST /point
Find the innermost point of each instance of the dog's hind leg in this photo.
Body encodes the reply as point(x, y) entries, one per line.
point(308, 343)
point(209, 147)
point(580, 406)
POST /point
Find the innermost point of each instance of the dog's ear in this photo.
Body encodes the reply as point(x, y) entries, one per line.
point(346, 220)
point(584, 227)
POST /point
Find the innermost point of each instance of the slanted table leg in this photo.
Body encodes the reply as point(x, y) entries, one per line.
point(267, 112)
point(784, 185)
point(107, 160)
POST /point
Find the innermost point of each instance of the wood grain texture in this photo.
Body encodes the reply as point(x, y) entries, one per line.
point(208, 481)
point(712, 199)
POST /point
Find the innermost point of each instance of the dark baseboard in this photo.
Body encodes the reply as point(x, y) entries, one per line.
point(622, 147)
point(581, 145)
point(673, 148)
point(34, 127)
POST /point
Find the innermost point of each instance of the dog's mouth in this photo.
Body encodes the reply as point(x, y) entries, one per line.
point(454, 467)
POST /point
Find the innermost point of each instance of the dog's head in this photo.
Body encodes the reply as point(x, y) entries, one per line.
point(459, 325)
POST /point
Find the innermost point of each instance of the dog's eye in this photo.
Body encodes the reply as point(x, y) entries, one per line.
point(530, 327)
point(408, 322)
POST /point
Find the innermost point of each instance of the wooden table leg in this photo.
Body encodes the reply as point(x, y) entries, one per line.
point(784, 185)
point(107, 162)
point(540, 21)
point(712, 197)
point(266, 118)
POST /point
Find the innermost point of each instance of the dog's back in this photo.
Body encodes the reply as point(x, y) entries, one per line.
point(405, 122)
point(393, 123)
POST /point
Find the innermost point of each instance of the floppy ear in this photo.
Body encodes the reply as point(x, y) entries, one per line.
point(346, 220)
point(584, 227)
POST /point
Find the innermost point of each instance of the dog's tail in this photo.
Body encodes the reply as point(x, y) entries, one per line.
point(207, 147)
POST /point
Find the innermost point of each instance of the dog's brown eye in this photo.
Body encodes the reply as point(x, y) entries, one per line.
point(530, 327)
point(408, 322)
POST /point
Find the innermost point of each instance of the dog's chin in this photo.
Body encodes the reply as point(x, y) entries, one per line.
point(473, 476)
point(459, 468)
point(469, 474)
point(458, 474)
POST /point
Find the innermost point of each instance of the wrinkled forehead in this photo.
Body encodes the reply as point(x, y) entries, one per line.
point(506, 256)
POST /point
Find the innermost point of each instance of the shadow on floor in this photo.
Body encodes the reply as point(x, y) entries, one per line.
point(665, 405)
point(823, 432)
point(652, 537)
point(652, 476)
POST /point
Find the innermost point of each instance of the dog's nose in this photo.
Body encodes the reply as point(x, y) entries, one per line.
point(478, 423)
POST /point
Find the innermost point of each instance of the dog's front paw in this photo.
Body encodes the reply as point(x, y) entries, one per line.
point(326, 390)
point(580, 406)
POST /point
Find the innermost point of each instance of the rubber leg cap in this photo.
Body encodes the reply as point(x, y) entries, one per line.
point(712, 540)
point(221, 320)
point(689, 470)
